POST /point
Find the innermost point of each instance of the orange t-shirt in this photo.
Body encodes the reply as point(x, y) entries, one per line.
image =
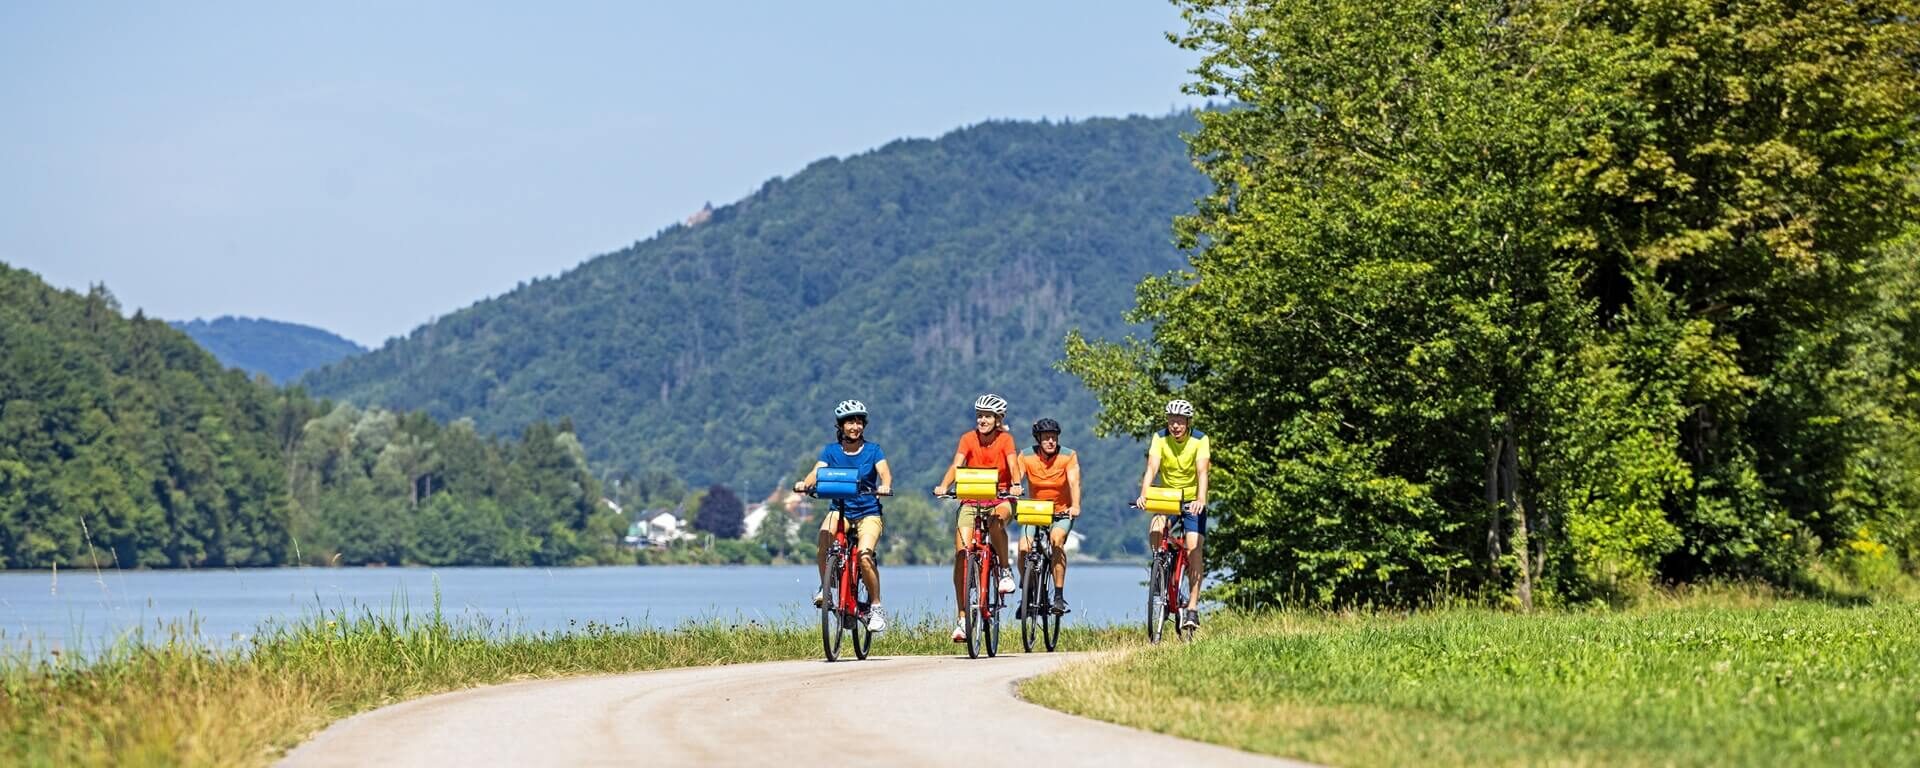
point(996, 453)
point(1047, 480)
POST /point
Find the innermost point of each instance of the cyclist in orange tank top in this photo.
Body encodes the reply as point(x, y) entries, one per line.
point(986, 446)
point(1053, 473)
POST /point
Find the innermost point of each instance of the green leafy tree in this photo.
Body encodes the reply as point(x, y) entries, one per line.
point(1438, 314)
point(721, 513)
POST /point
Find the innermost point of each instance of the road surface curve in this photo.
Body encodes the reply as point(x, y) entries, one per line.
point(900, 710)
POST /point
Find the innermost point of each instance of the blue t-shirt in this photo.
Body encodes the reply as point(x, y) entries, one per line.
point(864, 463)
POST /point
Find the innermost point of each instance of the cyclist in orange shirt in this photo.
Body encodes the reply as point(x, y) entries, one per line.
point(986, 446)
point(1053, 473)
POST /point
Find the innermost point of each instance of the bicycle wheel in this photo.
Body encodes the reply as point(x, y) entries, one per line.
point(1156, 599)
point(830, 608)
point(1030, 617)
point(1177, 596)
point(991, 616)
point(972, 575)
point(1050, 619)
point(862, 636)
point(1179, 607)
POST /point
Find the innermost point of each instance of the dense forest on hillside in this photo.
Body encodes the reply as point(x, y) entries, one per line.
point(282, 351)
point(122, 443)
point(913, 277)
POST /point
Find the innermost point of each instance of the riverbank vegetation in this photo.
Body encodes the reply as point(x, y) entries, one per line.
point(176, 701)
point(1724, 676)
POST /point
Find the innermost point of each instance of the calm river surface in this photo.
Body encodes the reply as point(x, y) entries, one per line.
point(79, 611)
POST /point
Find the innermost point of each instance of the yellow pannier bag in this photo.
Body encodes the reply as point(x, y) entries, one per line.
point(1033, 512)
point(977, 484)
point(1163, 501)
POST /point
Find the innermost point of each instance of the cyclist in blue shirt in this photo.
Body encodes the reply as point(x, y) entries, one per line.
point(851, 450)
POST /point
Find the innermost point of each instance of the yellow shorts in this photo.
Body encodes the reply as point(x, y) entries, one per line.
point(866, 530)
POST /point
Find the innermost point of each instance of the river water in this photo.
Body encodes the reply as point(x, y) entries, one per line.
point(82, 611)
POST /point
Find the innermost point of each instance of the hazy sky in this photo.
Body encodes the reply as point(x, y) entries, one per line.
point(367, 167)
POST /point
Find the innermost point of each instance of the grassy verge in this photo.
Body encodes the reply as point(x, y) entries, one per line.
point(1700, 682)
point(178, 702)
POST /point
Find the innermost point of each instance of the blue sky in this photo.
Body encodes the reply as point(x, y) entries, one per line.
point(366, 167)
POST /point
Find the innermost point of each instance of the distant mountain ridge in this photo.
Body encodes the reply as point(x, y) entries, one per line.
point(913, 277)
point(281, 350)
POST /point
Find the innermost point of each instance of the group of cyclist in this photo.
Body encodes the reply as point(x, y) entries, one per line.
point(1178, 456)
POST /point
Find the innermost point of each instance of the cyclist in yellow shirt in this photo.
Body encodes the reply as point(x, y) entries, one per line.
point(1181, 457)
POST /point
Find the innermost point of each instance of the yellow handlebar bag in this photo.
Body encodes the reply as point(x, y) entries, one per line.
point(972, 484)
point(1163, 501)
point(1033, 512)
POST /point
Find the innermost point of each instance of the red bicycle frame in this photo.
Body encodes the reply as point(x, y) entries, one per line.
point(849, 572)
point(1176, 575)
point(983, 546)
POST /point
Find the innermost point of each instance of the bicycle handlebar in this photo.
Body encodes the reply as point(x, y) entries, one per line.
point(1185, 506)
point(812, 495)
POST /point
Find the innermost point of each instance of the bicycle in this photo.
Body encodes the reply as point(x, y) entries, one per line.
point(1166, 579)
point(845, 603)
point(984, 601)
point(1039, 617)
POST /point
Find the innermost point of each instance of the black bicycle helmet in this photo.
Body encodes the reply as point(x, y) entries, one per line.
point(1045, 425)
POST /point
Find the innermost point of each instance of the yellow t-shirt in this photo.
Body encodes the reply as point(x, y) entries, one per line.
point(1180, 461)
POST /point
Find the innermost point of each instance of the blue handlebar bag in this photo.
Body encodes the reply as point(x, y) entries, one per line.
point(837, 483)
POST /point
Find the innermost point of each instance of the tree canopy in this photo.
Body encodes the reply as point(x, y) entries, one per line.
point(1547, 299)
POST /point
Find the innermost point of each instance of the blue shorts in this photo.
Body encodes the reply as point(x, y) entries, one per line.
point(1063, 525)
point(1194, 522)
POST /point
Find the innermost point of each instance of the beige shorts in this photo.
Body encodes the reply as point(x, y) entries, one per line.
point(964, 521)
point(866, 530)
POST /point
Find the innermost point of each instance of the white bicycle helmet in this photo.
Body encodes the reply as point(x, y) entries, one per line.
point(848, 408)
point(991, 403)
point(1180, 408)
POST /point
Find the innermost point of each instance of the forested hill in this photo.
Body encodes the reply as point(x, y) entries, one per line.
point(123, 444)
point(120, 437)
point(912, 277)
point(280, 350)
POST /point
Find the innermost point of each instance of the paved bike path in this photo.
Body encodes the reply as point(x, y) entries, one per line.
point(899, 710)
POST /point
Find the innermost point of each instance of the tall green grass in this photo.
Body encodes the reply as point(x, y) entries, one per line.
point(174, 700)
point(1715, 682)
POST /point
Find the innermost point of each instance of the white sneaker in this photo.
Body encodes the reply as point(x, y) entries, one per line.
point(959, 633)
point(876, 621)
point(819, 597)
point(1006, 582)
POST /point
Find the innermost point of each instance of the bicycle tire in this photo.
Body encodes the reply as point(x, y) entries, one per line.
point(1030, 603)
point(862, 635)
point(830, 608)
point(991, 615)
point(1156, 600)
point(1178, 595)
point(972, 576)
point(1049, 619)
